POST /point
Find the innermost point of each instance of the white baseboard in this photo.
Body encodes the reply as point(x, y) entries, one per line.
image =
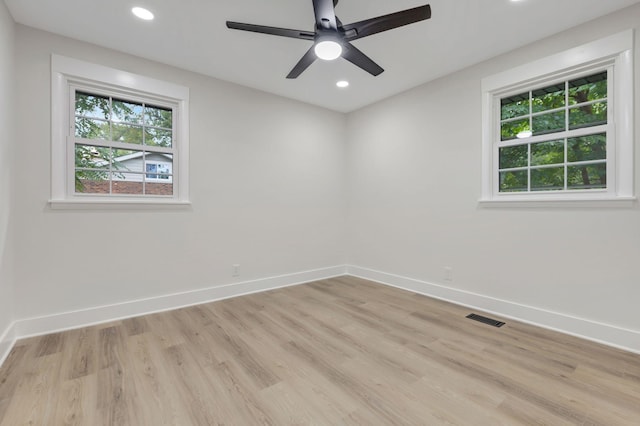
point(7, 340)
point(610, 335)
point(101, 314)
point(602, 333)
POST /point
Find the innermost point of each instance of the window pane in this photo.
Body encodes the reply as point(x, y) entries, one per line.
point(587, 177)
point(92, 157)
point(127, 112)
point(158, 166)
point(92, 182)
point(588, 88)
point(512, 129)
point(547, 153)
point(164, 170)
point(126, 183)
point(152, 171)
point(547, 179)
point(92, 105)
point(513, 181)
point(159, 188)
point(549, 123)
point(158, 117)
point(127, 133)
point(514, 106)
point(547, 98)
point(92, 129)
point(158, 137)
point(126, 160)
point(587, 148)
point(588, 115)
point(514, 156)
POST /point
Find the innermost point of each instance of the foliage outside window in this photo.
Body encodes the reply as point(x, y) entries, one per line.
point(115, 141)
point(561, 128)
point(567, 125)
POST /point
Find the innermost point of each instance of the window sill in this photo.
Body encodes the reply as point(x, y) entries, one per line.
point(622, 202)
point(119, 204)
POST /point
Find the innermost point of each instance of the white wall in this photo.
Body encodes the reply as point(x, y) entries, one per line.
point(7, 33)
point(414, 175)
point(266, 179)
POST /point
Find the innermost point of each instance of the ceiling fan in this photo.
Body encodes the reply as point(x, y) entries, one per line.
point(332, 39)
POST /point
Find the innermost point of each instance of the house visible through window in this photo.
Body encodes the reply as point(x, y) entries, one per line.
point(160, 171)
point(117, 142)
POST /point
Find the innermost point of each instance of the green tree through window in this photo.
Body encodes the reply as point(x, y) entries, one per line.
point(105, 118)
point(545, 146)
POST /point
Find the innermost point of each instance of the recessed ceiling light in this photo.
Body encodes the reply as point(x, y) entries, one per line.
point(342, 84)
point(524, 134)
point(142, 13)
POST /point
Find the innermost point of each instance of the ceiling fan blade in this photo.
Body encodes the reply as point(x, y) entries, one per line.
point(284, 32)
point(303, 63)
point(386, 22)
point(325, 14)
point(359, 59)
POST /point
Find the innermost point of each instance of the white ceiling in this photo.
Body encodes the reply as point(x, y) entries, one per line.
point(191, 34)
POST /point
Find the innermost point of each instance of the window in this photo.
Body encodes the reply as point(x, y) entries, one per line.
point(161, 171)
point(118, 138)
point(554, 138)
point(560, 128)
point(115, 140)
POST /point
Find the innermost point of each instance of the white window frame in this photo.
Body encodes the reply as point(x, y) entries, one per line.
point(68, 73)
point(614, 54)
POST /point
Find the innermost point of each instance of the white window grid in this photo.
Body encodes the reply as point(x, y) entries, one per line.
point(72, 140)
point(564, 135)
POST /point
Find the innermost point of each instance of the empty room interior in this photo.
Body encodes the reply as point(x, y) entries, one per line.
point(319, 212)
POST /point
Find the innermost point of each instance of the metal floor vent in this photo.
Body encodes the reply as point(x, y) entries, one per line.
point(486, 320)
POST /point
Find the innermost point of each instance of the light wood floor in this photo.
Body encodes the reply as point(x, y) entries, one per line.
point(339, 351)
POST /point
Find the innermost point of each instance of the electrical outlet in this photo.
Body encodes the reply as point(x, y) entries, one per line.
point(448, 273)
point(235, 270)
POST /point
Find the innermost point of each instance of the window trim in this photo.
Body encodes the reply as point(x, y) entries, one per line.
point(614, 53)
point(67, 73)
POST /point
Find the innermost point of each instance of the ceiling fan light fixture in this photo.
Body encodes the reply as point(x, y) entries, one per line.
point(142, 13)
point(328, 50)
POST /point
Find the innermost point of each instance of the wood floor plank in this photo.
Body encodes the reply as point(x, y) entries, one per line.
point(136, 325)
point(12, 370)
point(38, 388)
point(77, 399)
point(149, 379)
point(79, 353)
point(239, 352)
point(239, 383)
point(341, 351)
point(288, 407)
point(519, 411)
point(198, 390)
